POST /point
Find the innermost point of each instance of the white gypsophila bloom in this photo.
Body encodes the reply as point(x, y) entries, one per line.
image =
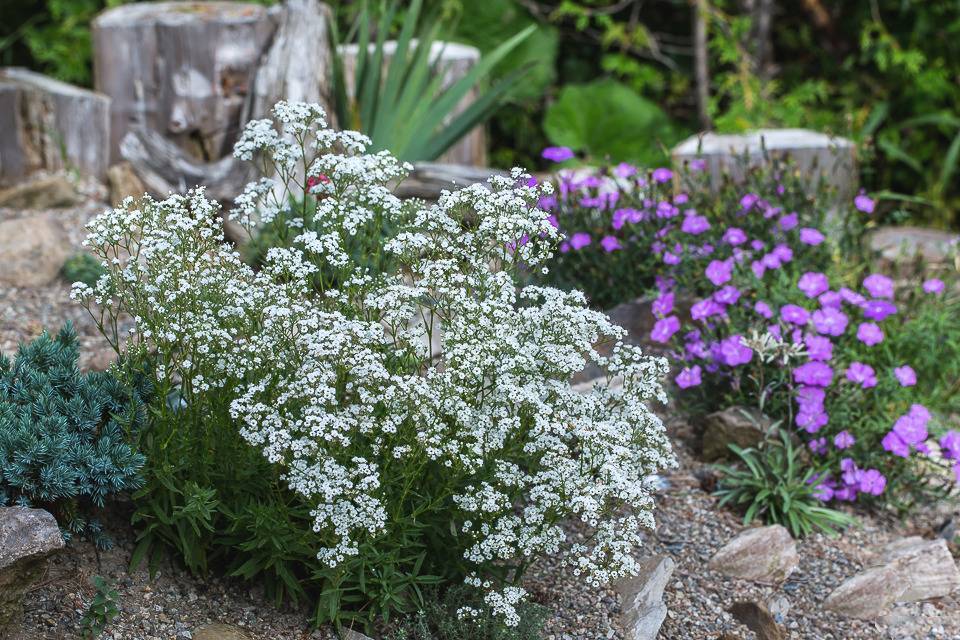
point(327, 354)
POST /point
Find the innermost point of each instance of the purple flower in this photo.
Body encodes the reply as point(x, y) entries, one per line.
point(664, 329)
point(557, 154)
point(813, 284)
point(663, 305)
point(814, 374)
point(811, 236)
point(794, 314)
point(818, 347)
point(844, 440)
point(789, 221)
point(818, 446)
point(783, 253)
point(662, 175)
point(862, 374)
point(872, 482)
point(758, 269)
point(830, 321)
point(905, 375)
point(869, 334)
point(830, 300)
point(763, 309)
point(852, 297)
point(694, 225)
point(910, 429)
point(734, 236)
point(864, 203)
point(879, 286)
point(757, 245)
point(704, 309)
point(727, 295)
point(610, 244)
point(748, 201)
point(719, 271)
point(670, 258)
point(698, 164)
point(934, 285)
point(810, 397)
point(688, 377)
point(733, 352)
point(564, 247)
point(878, 309)
point(579, 240)
point(950, 444)
point(624, 170)
point(812, 421)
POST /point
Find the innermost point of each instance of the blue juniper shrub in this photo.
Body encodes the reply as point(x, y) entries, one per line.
point(64, 434)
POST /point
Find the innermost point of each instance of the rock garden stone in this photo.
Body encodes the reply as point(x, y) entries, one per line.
point(899, 244)
point(868, 594)
point(27, 539)
point(219, 631)
point(762, 554)
point(742, 426)
point(124, 182)
point(926, 566)
point(32, 251)
point(350, 634)
point(758, 619)
point(642, 596)
point(53, 192)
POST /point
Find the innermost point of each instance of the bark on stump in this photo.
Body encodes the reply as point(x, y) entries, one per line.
point(50, 125)
point(454, 61)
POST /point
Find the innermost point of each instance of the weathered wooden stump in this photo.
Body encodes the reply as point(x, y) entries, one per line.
point(182, 69)
point(819, 156)
point(50, 125)
point(454, 61)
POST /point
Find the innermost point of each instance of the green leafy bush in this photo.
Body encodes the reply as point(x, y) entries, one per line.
point(82, 267)
point(64, 434)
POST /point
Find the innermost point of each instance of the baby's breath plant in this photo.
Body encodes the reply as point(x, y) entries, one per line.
point(391, 373)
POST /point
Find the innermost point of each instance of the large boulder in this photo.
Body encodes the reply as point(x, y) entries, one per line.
point(28, 537)
point(53, 192)
point(866, 595)
point(642, 596)
point(32, 251)
point(895, 245)
point(218, 631)
point(762, 554)
point(741, 426)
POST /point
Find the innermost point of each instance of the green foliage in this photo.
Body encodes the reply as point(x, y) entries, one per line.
point(64, 434)
point(438, 620)
point(82, 267)
point(609, 122)
point(778, 486)
point(403, 105)
point(102, 609)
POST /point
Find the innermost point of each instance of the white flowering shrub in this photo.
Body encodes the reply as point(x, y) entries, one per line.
point(387, 364)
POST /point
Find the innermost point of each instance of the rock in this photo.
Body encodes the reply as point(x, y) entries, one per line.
point(762, 554)
point(758, 619)
point(350, 634)
point(868, 594)
point(53, 192)
point(642, 596)
point(742, 426)
point(124, 182)
point(219, 631)
point(32, 251)
point(27, 539)
point(904, 244)
point(925, 566)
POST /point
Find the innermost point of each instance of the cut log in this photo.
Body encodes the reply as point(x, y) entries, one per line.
point(50, 125)
point(428, 179)
point(454, 61)
point(183, 69)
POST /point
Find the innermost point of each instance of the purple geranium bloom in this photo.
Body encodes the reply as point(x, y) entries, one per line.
point(810, 397)
point(748, 201)
point(579, 240)
point(844, 440)
point(719, 271)
point(812, 421)
point(704, 309)
point(878, 310)
point(783, 253)
point(664, 329)
point(869, 334)
point(727, 295)
point(814, 374)
point(818, 446)
point(758, 268)
point(813, 284)
point(872, 482)
point(811, 236)
point(688, 377)
point(734, 236)
point(694, 225)
point(557, 154)
point(950, 444)
point(818, 347)
point(862, 374)
point(662, 175)
point(789, 221)
point(830, 321)
point(564, 247)
point(852, 297)
point(757, 245)
point(610, 244)
point(864, 203)
point(879, 286)
point(733, 352)
point(763, 309)
point(934, 285)
point(905, 375)
point(892, 443)
point(830, 300)
point(624, 170)
point(666, 210)
point(671, 258)
point(911, 429)
point(663, 305)
point(794, 314)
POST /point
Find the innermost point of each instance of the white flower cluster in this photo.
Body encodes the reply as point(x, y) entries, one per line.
point(332, 380)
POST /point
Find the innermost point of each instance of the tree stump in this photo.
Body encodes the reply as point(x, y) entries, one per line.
point(818, 156)
point(50, 125)
point(181, 69)
point(454, 61)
